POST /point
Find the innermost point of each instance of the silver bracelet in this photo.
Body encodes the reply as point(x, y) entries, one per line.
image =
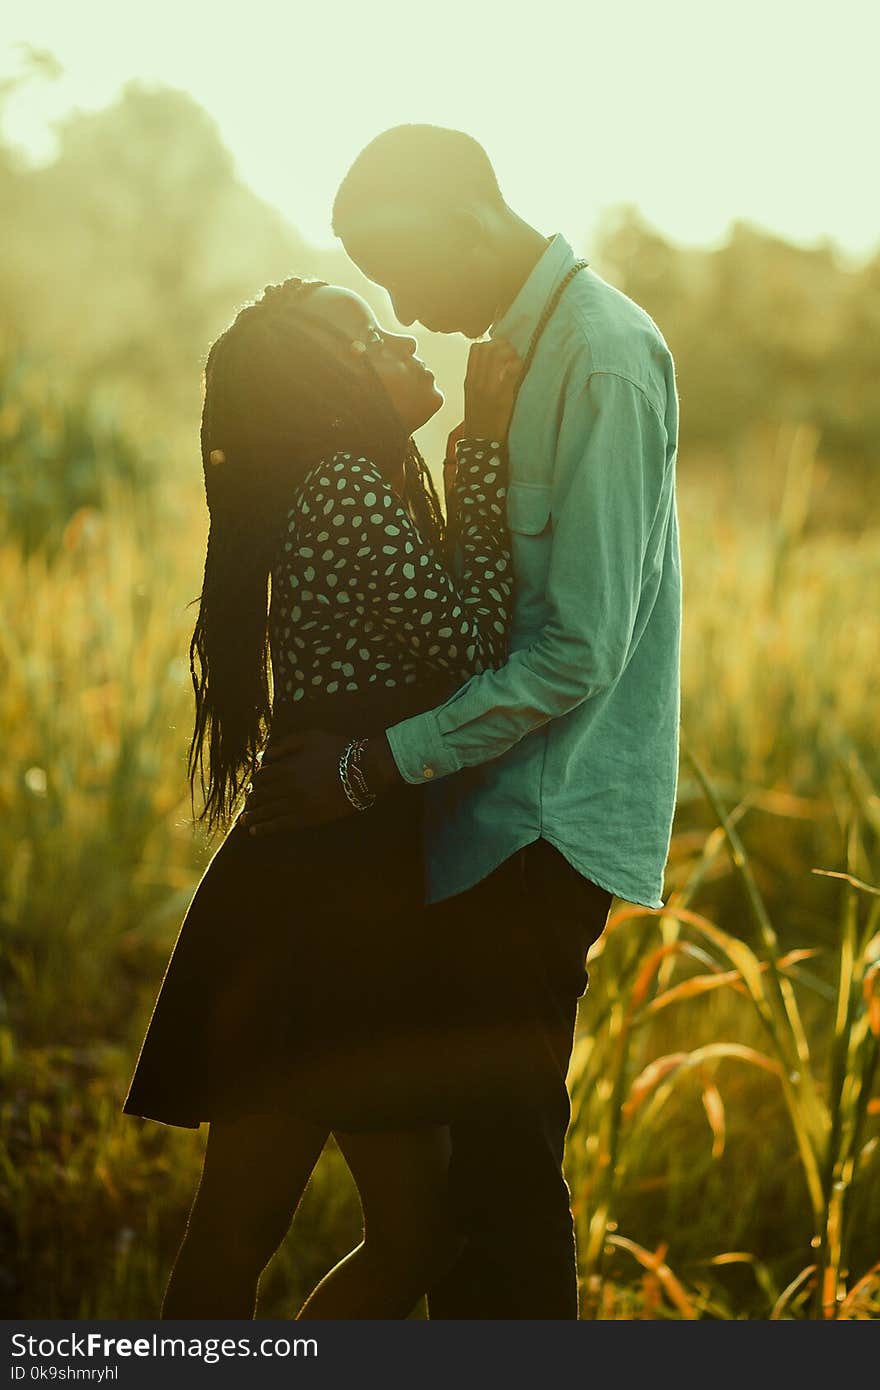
point(350, 772)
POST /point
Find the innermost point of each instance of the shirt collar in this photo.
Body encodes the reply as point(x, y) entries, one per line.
point(519, 321)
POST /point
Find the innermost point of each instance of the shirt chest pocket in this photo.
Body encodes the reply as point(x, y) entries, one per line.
point(528, 508)
point(531, 530)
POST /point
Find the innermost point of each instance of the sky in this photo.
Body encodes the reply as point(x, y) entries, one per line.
point(696, 112)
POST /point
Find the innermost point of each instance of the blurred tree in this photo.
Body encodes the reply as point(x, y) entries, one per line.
point(140, 242)
point(764, 332)
point(131, 250)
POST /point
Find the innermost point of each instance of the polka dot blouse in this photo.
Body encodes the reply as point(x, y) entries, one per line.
point(361, 600)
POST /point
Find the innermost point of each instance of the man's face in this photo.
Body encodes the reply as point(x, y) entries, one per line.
point(437, 272)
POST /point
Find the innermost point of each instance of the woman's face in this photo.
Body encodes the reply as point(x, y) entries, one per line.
point(409, 384)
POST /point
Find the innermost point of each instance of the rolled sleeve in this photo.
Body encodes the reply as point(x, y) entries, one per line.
point(611, 474)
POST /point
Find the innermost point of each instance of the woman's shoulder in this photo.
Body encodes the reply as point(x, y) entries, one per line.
point(332, 477)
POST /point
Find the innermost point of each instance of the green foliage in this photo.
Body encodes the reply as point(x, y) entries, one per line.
point(60, 453)
point(162, 244)
point(764, 334)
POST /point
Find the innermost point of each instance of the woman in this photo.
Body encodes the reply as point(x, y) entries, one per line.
point(304, 994)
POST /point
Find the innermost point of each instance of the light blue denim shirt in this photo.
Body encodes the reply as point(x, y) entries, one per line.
point(575, 738)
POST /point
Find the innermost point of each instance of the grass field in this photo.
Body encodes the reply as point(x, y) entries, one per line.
point(723, 1156)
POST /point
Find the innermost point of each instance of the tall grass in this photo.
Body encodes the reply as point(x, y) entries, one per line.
point(826, 1091)
point(723, 1155)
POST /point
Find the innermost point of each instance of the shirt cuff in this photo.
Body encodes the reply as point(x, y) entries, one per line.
point(417, 748)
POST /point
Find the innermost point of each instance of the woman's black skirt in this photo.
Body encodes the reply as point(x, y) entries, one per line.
point(307, 976)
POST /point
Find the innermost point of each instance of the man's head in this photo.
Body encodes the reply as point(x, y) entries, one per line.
point(421, 213)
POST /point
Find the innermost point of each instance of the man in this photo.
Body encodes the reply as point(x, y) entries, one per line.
point(552, 779)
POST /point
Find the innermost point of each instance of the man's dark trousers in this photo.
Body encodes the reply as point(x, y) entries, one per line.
point(506, 1170)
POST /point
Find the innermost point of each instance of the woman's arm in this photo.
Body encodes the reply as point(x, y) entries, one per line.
point(366, 552)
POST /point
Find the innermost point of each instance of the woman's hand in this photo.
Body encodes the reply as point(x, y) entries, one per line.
point(450, 467)
point(490, 388)
point(297, 784)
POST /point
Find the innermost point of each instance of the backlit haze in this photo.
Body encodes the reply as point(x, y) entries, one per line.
point(698, 113)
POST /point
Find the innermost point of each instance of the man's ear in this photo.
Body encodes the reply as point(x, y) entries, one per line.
point(469, 228)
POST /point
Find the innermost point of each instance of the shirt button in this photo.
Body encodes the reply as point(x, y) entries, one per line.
point(427, 771)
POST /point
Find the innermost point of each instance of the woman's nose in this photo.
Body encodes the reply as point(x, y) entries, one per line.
point(406, 344)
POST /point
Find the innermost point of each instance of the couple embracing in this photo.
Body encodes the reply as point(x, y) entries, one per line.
point(459, 725)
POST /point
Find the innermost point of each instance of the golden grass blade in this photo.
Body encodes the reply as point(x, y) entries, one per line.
point(799, 443)
point(781, 803)
point(616, 919)
point(654, 1262)
point(655, 959)
point(650, 1078)
point(870, 943)
point(789, 1292)
point(732, 1257)
point(662, 1067)
point(762, 1274)
point(858, 1291)
point(738, 853)
point(714, 1108)
point(848, 878)
point(860, 784)
point(871, 991)
point(690, 989)
point(741, 1051)
point(843, 1011)
point(803, 953)
point(715, 843)
point(704, 984)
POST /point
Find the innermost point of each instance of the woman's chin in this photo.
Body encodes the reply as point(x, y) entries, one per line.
point(436, 400)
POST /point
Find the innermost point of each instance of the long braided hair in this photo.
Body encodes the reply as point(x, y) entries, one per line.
point(275, 403)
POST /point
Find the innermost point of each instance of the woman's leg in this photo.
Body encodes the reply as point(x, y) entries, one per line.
point(254, 1173)
point(409, 1236)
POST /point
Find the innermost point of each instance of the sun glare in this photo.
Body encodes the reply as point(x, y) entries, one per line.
point(697, 114)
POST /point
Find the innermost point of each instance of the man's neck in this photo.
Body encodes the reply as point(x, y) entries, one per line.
point(521, 247)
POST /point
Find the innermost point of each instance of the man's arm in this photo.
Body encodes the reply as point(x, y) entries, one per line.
point(605, 507)
point(611, 497)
